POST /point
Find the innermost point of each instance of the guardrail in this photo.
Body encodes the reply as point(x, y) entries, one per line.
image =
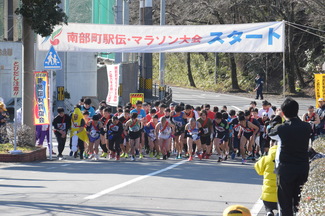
point(163, 93)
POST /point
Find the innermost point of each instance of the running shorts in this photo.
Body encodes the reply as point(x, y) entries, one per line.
point(205, 140)
point(134, 135)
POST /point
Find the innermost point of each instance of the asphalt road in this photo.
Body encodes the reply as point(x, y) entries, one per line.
point(144, 187)
point(232, 101)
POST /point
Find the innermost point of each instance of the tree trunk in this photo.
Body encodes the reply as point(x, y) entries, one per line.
point(189, 71)
point(233, 68)
point(290, 63)
point(28, 85)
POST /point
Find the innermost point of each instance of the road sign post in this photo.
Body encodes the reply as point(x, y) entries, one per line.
point(52, 62)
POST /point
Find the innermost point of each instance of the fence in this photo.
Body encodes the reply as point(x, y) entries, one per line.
point(163, 93)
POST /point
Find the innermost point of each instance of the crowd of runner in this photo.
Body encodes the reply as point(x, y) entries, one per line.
point(160, 131)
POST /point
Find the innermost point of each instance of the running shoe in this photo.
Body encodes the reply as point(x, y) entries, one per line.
point(250, 157)
point(207, 156)
point(141, 156)
point(75, 155)
point(270, 214)
point(253, 158)
point(226, 157)
point(104, 155)
point(168, 154)
point(126, 155)
point(90, 156)
point(233, 155)
point(243, 161)
point(190, 158)
point(165, 157)
point(151, 154)
point(113, 155)
point(158, 156)
point(132, 158)
point(122, 155)
point(86, 155)
point(200, 156)
point(71, 153)
point(117, 157)
point(219, 159)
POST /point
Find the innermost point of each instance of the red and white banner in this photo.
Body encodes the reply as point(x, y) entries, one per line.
point(16, 81)
point(113, 84)
point(235, 38)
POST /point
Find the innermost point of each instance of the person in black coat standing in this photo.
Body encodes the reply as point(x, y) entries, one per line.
point(259, 86)
point(292, 163)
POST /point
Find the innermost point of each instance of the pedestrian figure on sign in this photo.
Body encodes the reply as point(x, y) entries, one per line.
point(259, 86)
point(50, 59)
point(55, 60)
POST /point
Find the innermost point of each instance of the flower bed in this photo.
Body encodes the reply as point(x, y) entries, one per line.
point(36, 155)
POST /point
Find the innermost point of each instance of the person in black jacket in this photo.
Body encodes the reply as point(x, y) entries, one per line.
point(292, 163)
point(61, 124)
point(115, 137)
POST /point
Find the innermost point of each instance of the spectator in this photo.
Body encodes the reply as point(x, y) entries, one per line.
point(292, 163)
point(265, 167)
point(321, 113)
point(236, 210)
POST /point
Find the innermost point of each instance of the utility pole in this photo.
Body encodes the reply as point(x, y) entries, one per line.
point(141, 70)
point(162, 55)
point(118, 21)
point(126, 18)
point(28, 76)
point(147, 60)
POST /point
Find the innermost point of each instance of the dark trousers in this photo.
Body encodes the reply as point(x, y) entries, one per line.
point(259, 92)
point(103, 146)
point(270, 206)
point(114, 145)
point(61, 142)
point(290, 181)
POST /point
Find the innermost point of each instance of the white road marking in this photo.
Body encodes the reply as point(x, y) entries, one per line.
point(119, 186)
point(2, 179)
point(257, 207)
point(237, 108)
point(65, 165)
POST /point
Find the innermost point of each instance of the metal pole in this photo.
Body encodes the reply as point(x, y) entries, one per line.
point(284, 64)
point(148, 56)
point(162, 55)
point(15, 129)
point(50, 112)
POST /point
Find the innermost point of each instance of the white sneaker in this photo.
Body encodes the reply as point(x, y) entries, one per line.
point(96, 157)
point(90, 156)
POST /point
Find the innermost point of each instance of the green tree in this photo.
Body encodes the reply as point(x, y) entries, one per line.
point(42, 15)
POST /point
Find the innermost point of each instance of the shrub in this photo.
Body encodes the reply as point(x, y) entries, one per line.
point(312, 195)
point(24, 135)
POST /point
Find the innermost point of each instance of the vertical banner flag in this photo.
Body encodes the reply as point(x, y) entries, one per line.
point(113, 84)
point(235, 38)
point(41, 98)
point(319, 87)
point(16, 79)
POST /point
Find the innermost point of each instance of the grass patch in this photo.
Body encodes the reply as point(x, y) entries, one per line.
point(6, 148)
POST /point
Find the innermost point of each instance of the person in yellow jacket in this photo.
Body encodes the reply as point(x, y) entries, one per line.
point(265, 166)
point(78, 133)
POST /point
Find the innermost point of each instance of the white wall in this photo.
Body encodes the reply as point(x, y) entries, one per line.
point(6, 67)
point(81, 76)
